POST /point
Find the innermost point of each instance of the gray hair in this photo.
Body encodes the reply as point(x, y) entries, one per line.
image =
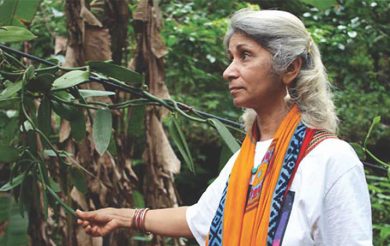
point(286, 38)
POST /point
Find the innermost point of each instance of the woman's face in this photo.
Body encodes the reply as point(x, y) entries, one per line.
point(252, 83)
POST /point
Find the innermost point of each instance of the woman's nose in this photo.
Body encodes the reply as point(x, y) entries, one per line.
point(230, 72)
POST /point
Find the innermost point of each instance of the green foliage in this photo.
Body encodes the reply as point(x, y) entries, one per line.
point(227, 137)
point(15, 225)
point(102, 129)
point(322, 4)
point(70, 79)
point(117, 72)
point(178, 138)
point(17, 12)
point(15, 34)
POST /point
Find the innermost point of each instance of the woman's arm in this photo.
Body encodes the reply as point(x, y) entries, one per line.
point(167, 222)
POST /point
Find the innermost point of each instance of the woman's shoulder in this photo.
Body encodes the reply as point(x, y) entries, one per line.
point(333, 155)
point(334, 148)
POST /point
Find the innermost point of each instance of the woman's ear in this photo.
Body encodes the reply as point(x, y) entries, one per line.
point(292, 71)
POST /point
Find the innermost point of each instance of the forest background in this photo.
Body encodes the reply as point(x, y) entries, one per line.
point(67, 143)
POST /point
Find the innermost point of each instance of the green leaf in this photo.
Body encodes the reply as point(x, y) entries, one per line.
point(7, 9)
point(138, 199)
point(320, 4)
point(78, 179)
point(70, 79)
point(112, 146)
point(11, 90)
point(51, 153)
point(5, 205)
point(13, 183)
point(180, 142)
point(26, 192)
point(359, 151)
point(8, 153)
point(66, 111)
point(44, 116)
point(95, 93)
point(29, 74)
point(14, 231)
point(54, 185)
point(116, 72)
point(62, 203)
point(41, 83)
point(18, 12)
point(227, 137)
point(224, 156)
point(15, 34)
point(78, 129)
point(9, 103)
point(26, 11)
point(102, 129)
point(136, 124)
point(375, 122)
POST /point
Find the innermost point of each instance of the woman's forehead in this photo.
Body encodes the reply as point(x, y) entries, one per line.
point(239, 41)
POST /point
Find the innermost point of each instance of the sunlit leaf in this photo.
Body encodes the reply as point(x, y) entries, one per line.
point(95, 93)
point(102, 129)
point(51, 153)
point(70, 79)
point(16, 181)
point(15, 34)
point(375, 122)
point(226, 136)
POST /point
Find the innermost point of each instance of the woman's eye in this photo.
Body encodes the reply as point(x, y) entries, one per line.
point(244, 55)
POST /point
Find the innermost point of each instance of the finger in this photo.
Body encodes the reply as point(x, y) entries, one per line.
point(109, 227)
point(91, 216)
point(88, 229)
point(95, 231)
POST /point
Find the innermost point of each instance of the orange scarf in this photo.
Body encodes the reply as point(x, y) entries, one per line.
point(243, 226)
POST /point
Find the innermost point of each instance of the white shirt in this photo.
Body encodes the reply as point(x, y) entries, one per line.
point(331, 203)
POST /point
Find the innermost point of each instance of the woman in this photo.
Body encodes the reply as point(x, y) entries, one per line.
point(292, 181)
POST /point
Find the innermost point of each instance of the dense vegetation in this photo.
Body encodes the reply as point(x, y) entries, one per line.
point(36, 99)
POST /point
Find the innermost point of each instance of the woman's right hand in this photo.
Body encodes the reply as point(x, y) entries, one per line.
point(103, 221)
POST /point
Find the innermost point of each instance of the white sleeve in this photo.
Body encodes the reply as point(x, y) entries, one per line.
point(200, 215)
point(347, 209)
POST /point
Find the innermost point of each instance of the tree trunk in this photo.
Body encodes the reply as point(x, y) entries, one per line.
point(161, 162)
point(112, 180)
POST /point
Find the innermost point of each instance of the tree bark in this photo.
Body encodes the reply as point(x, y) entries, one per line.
point(161, 162)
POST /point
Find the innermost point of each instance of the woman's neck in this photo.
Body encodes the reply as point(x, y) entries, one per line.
point(269, 119)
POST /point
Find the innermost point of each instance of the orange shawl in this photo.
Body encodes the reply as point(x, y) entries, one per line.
point(242, 226)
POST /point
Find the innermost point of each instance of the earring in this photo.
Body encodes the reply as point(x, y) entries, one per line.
point(287, 97)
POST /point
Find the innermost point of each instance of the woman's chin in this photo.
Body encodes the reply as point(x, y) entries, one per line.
point(238, 103)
